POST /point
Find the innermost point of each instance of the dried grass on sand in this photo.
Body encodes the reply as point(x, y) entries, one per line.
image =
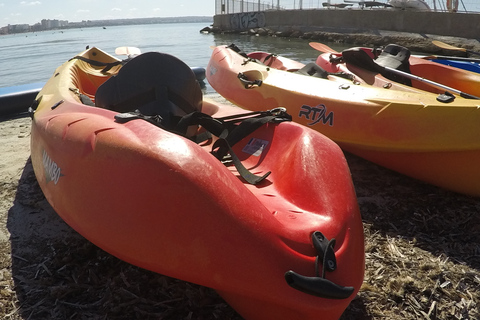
point(422, 255)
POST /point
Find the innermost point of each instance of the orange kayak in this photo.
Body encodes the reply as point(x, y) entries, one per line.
point(431, 137)
point(113, 150)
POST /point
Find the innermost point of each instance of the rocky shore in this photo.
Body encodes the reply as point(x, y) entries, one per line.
point(416, 42)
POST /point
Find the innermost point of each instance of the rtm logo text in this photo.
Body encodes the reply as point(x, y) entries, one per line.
point(316, 114)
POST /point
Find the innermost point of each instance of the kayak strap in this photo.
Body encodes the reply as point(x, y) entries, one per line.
point(270, 58)
point(235, 48)
point(222, 144)
point(82, 97)
point(229, 130)
point(107, 65)
point(135, 115)
point(222, 147)
point(318, 285)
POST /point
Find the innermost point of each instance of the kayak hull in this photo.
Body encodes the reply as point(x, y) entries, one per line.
point(164, 203)
point(407, 130)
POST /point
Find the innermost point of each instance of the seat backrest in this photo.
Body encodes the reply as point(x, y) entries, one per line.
point(395, 57)
point(154, 84)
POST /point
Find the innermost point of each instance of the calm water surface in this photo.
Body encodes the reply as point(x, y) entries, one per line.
point(33, 57)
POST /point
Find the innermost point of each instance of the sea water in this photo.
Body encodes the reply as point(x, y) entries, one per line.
point(33, 57)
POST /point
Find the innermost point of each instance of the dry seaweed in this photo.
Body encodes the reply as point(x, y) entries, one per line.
point(422, 248)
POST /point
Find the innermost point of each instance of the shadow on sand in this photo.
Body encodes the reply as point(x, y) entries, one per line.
point(60, 275)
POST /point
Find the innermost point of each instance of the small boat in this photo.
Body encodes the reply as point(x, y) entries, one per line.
point(428, 135)
point(17, 99)
point(418, 5)
point(255, 206)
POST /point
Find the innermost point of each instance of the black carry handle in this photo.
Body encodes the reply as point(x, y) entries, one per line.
point(316, 286)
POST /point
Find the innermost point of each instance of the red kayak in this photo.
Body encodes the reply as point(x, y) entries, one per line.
point(259, 208)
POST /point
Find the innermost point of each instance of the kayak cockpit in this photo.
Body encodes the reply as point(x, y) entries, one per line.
point(91, 69)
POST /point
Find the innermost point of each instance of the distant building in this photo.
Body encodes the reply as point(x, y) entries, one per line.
point(17, 28)
point(48, 24)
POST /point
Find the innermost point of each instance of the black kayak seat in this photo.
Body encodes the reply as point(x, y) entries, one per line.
point(314, 70)
point(393, 56)
point(154, 84)
point(358, 57)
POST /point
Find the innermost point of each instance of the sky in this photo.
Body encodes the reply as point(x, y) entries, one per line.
point(33, 11)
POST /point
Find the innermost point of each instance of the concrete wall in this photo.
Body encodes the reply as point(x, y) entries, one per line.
point(438, 23)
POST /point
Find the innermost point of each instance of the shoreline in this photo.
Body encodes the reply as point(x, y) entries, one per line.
point(371, 38)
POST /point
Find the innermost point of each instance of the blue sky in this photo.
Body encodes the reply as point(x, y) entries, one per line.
point(33, 11)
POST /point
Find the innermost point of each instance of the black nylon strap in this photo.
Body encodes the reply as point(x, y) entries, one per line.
point(237, 50)
point(246, 127)
point(215, 126)
point(239, 132)
point(228, 132)
point(244, 173)
point(107, 65)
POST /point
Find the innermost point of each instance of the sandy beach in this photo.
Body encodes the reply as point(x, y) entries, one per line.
point(422, 254)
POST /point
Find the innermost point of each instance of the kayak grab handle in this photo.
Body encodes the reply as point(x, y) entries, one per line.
point(318, 285)
point(249, 84)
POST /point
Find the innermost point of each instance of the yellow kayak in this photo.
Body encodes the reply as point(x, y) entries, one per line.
point(431, 137)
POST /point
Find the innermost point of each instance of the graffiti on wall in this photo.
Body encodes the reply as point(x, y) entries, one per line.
point(247, 20)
